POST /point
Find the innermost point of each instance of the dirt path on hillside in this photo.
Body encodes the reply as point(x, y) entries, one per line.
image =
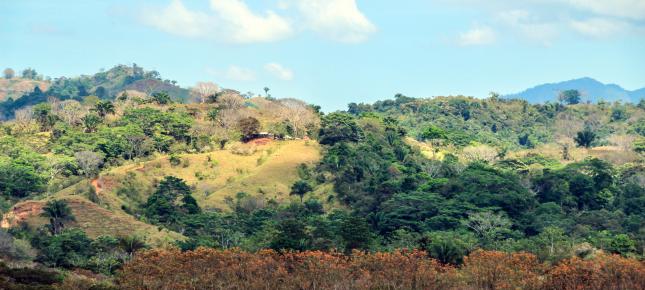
point(97, 186)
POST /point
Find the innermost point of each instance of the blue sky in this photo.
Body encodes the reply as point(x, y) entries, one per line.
point(331, 52)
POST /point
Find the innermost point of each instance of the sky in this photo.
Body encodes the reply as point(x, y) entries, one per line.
point(332, 52)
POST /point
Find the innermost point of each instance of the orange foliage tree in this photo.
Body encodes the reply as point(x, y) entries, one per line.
point(500, 270)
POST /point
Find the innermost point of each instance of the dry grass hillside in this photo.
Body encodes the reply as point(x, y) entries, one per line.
point(16, 87)
point(266, 169)
point(92, 218)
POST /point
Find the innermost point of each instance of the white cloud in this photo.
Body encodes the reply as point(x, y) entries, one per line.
point(543, 21)
point(632, 9)
point(242, 25)
point(529, 25)
point(340, 20)
point(599, 27)
point(478, 35)
point(236, 73)
point(228, 20)
point(178, 20)
point(279, 71)
point(234, 21)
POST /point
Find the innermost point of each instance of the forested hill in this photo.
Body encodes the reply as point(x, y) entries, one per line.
point(104, 85)
point(508, 124)
point(86, 185)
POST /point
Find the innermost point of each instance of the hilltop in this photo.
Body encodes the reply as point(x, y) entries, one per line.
point(104, 85)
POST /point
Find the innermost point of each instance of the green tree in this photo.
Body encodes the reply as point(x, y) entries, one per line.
point(290, 235)
point(104, 108)
point(59, 214)
point(29, 73)
point(355, 233)
point(622, 244)
point(570, 97)
point(91, 122)
point(249, 127)
point(300, 188)
point(585, 137)
point(43, 115)
point(171, 202)
point(448, 247)
point(69, 249)
point(433, 133)
point(18, 179)
point(212, 115)
point(161, 98)
point(339, 127)
point(619, 113)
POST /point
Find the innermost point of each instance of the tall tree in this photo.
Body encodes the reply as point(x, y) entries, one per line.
point(59, 214)
point(300, 188)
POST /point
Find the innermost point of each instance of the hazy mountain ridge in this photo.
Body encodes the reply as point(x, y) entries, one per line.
point(591, 89)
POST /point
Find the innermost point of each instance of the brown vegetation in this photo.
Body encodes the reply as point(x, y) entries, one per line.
point(233, 269)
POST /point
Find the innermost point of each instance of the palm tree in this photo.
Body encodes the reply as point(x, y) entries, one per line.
point(131, 244)
point(212, 115)
point(103, 108)
point(58, 213)
point(300, 188)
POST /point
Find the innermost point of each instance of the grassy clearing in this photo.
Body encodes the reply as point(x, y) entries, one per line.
point(268, 170)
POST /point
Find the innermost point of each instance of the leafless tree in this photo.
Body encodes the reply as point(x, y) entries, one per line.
point(89, 162)
point(568, 125)
point(230, 100)
point(70, 111)
point(24, 118)
point(479, 153)
point(488, 226)
point(203, 90)
point(624, 142)
point(298, 114)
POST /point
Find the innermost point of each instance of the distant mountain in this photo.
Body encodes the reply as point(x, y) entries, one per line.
point(591, 89)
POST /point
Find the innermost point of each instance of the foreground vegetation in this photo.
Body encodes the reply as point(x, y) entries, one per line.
point(211, 269)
